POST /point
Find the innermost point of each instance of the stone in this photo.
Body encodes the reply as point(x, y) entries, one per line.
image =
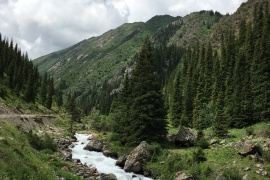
point(94, 145)
point(67, 156)
point(249, 149)
point(65, 168)
point(264, 173)
point(245, 177)
point(121, 161)
point(213, 141)
point(138, 158)
point(183, 176)
point(110, 176)
point(108, 153)
point(246, 169)
point(259, 166)
point(185, 137)
point(222, 142)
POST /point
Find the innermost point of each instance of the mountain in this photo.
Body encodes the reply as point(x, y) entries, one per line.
point(103, 60)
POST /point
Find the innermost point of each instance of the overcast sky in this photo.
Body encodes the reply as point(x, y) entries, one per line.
point(44, 26)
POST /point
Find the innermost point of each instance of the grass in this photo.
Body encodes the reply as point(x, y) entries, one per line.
point(20, 161)
point(221, 161)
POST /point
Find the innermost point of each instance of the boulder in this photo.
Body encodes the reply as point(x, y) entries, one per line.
point(183, 176)
point(185, 137)
point(138, 157)
point(94, 145)
point(249, 149)
point(110, 176)
point(121, 161)
point(67, 156)
point(108, 153)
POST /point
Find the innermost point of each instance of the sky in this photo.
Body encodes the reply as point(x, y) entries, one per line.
point(40, 27)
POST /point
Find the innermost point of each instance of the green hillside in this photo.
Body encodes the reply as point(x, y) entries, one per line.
point(97, 65)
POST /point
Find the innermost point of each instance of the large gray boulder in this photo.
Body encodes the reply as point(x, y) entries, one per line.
point(94, 145)
point(138, 157)
point(185, 137)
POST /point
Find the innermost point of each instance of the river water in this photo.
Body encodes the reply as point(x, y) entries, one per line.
point(97, 159)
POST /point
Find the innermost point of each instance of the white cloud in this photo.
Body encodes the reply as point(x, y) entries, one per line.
point(44, 26)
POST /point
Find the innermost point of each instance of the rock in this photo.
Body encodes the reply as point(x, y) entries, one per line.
point(222, 142)
point(65, 168)
point(67, 156)
point(94, 145)
point(213, 141)
point(121, 161)
point(77, 161)
point(264, 173)
point(185, 137)
point(138, 157)
point(108, 153)
point(246, 169)
point(183, 176)
point(110, 176)
point(245, 177)
point(259, 166)
point(249, 149)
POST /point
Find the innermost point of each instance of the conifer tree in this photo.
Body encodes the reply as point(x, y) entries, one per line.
point(147, 110)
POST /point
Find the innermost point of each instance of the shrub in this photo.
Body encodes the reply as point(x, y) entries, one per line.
point(40, 143)
point(201, 141)
point(198, 155)
point(231, 174)
point(264, 130)
point(250, 130)
point(266, 156)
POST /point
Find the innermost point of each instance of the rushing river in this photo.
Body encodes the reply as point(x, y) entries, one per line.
point(97, 159)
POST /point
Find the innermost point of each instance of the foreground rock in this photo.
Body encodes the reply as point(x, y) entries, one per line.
point(138, 157)
point(110, 176)
point(94, 145)
point(185, 137)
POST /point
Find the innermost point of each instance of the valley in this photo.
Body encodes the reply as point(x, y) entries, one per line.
point(172, 98)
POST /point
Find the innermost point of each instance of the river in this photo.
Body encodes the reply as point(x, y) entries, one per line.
point(97, 159)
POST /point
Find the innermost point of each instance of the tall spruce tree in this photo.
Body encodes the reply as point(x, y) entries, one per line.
point(147, 109)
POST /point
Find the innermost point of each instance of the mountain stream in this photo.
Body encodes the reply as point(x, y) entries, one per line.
point(97, 159)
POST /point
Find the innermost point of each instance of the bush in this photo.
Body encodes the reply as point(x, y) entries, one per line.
point(264, 130)
point(156, 150)
point(250, 130)
point(198, 156)
point(40, 143)
point(201, 141)
point(266, 156)
point(231, 175)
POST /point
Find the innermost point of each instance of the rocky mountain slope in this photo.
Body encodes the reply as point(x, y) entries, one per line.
point(101, 61)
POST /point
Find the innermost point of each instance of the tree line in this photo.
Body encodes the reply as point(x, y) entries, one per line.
point(19, 74)
point(229, 86)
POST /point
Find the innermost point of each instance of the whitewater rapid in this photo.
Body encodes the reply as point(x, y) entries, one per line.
point(97, 159)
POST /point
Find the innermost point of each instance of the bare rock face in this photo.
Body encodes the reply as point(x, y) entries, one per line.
point(137, 158)
point(183, 176)
point(185, 137)
point(94, 145)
